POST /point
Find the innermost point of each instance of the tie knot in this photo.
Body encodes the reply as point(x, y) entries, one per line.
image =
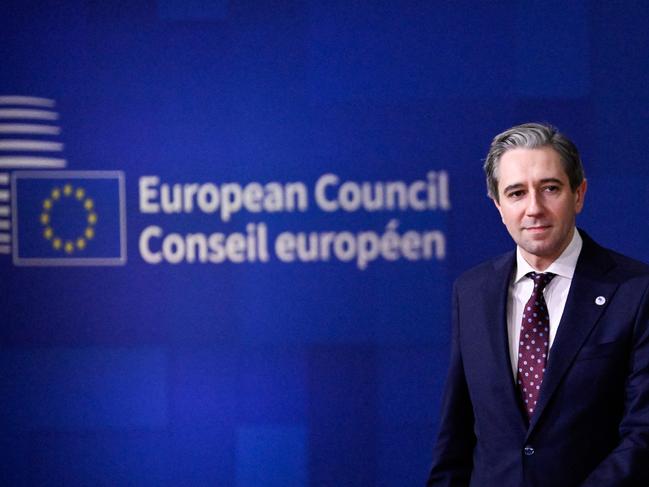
point(541, 279)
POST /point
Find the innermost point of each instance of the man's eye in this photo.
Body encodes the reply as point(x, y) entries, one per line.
point(515, 194)
point(551, 189)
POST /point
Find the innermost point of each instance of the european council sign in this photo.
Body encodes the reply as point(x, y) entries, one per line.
point(68, 218)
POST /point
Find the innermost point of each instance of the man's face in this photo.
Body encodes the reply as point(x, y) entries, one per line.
point(536, 203)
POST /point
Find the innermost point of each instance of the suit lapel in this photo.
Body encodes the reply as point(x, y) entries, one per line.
point(580, 315)
point(495, 292)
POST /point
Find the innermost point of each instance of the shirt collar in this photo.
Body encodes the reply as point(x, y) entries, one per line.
point(563, 266)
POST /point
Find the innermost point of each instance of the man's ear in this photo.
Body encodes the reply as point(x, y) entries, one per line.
point(580, 194)
point(498, 208)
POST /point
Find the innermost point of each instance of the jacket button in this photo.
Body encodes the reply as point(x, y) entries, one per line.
point(528, 450)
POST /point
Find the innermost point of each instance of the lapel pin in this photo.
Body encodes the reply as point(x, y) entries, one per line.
point(600, 300)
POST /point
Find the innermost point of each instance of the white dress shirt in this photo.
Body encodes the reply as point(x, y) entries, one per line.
point(555, 293)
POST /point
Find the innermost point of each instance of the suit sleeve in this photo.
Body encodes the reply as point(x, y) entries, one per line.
point(628, 463)
point(453, 452)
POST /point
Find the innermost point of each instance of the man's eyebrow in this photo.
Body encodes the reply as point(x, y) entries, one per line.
point(552, 180)
point(515, 186)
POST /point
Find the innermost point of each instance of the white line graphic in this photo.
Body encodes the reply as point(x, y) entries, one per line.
point(4, 210)
point(29, 128)
point(30, 145)
point(4, 195)
point(27, 100)
point(31, 162)
point(5, 249)
point(4, 178)
point(5, 224)
point(5, 238)
point(28, 113)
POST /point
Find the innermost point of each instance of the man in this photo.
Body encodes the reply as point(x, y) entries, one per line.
point(548, 382)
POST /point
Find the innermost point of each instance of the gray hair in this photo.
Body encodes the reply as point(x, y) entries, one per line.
point(533, 136)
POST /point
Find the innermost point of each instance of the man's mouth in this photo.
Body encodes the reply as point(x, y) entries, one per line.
point(537, 228)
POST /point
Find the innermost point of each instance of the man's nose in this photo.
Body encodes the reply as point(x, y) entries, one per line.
point(534, 204)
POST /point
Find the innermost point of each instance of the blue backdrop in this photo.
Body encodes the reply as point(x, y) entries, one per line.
point(245, 335)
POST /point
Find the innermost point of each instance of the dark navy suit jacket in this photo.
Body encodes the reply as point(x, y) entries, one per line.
point(591, 424)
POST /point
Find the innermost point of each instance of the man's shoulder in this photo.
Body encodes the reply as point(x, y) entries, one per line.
point(623, 266)
point(494, 268)
point(628, 266)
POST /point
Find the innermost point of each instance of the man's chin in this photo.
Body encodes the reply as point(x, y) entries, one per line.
point(538, 248)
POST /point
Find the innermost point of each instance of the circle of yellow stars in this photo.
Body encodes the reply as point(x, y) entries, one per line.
point(57, 195)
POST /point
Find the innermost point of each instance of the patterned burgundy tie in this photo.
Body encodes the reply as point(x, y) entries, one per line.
point(533, 344)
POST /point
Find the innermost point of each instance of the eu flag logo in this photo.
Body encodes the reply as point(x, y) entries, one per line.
point(68, 218)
